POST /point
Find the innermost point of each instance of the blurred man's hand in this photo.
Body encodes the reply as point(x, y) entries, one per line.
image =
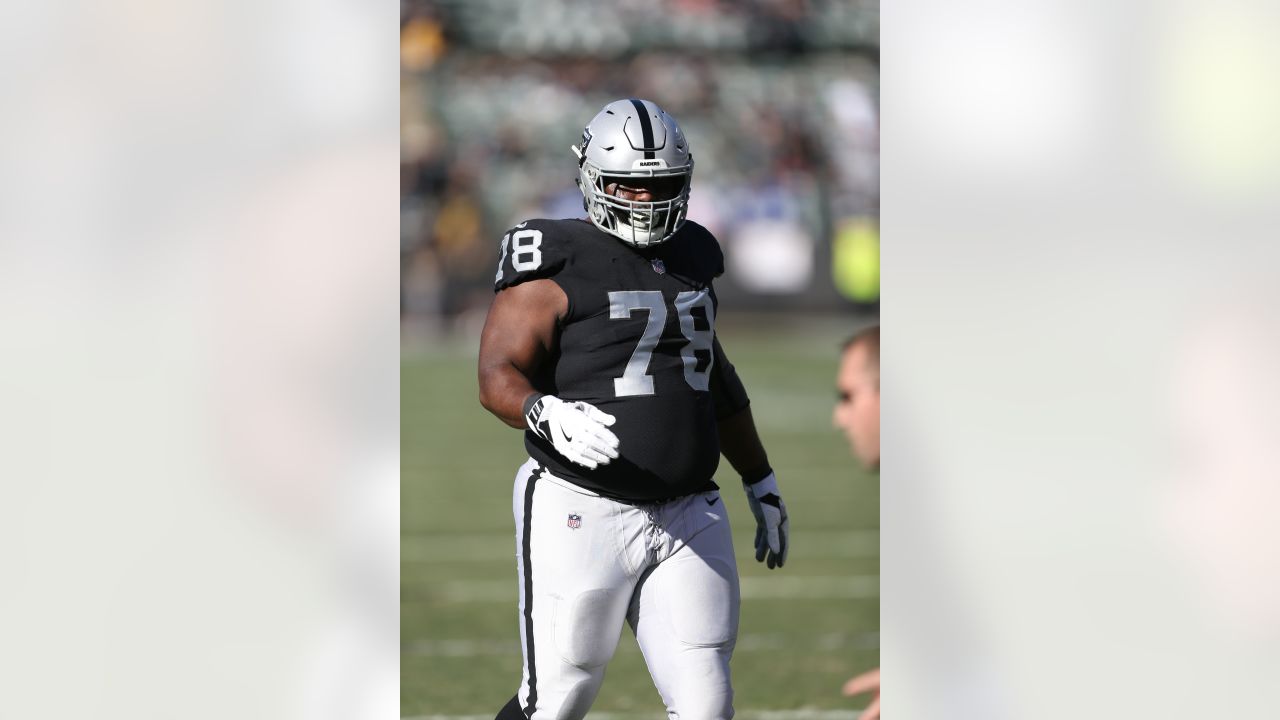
point(864, 683)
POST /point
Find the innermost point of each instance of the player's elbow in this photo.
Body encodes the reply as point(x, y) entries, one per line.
point(488, 389)
point(496, 397)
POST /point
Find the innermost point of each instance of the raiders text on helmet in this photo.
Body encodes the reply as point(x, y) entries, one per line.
point(629, 139)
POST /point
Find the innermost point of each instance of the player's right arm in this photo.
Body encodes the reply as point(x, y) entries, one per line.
point(519, 336)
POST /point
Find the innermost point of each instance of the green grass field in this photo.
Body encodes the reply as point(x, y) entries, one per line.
point(805, 629)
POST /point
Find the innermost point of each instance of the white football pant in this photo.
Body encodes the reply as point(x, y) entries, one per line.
point(586, 563)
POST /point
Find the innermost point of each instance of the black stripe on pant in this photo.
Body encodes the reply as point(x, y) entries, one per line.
point(532, 703)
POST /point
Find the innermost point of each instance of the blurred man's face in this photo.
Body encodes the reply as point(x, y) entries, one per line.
point(1221, 510)
point(858, 404)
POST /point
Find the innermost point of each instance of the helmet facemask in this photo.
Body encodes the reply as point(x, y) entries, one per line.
point(640, 224)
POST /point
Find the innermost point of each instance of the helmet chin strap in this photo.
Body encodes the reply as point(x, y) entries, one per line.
point(639, 238)
point(641, 227)
point(638, 227)
point(643, 218)
point(646, 226)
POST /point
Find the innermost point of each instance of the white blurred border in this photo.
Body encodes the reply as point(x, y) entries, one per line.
point(198, 410)
point(1078, 355)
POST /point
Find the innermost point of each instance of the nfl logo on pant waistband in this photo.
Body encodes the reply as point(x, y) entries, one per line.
point(575, 521)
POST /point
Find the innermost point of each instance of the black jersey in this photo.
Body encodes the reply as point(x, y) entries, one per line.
point(637, 343)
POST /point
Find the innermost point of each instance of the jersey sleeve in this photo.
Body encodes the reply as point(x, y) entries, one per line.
point(717, 257)
point(529, 251)
point(727, 391)
point(710, 256)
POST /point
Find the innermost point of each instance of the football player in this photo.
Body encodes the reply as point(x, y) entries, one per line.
point(601, 345)
point(857, 413)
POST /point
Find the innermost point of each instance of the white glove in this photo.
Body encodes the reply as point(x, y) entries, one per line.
point(772, 525)
point(579, 431)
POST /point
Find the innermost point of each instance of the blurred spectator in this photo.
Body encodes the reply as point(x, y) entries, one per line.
point(857, 413)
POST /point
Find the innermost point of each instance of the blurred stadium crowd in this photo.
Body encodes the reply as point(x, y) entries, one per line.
point(779, 99)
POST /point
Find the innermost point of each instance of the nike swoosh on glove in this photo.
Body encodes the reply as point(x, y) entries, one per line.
point(579, 431)
point(772, 525)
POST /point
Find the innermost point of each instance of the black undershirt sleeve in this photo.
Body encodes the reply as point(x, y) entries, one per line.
point(727, 390)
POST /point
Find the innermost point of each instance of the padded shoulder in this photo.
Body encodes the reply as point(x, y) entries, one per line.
point(706, 247)
point(533, 249)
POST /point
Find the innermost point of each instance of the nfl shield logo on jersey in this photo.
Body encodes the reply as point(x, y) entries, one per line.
point(575, 521)
point(659, 267)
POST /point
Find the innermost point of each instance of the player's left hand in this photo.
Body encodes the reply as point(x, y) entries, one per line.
point(772, 525)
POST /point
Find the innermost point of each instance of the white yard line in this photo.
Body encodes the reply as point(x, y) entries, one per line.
point(787, 587)
point(501, 547)
point(811, 587)
point(740, 715)
point(752, 642)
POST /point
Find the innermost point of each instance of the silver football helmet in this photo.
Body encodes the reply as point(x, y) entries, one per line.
point(631, 139)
